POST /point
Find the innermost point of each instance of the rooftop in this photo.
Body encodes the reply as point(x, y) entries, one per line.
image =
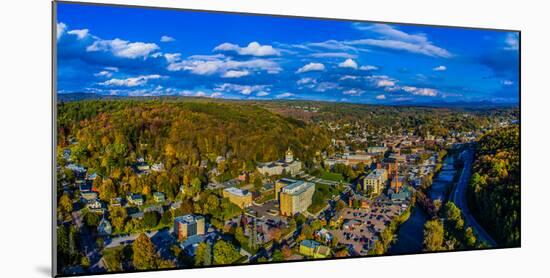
point(377, 173)
point(297, 187)
point(188, 218)
point(237, 191)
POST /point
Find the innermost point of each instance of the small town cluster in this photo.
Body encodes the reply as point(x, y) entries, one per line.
point(291, 215)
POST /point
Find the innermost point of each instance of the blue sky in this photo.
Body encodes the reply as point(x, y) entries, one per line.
point(143, 52)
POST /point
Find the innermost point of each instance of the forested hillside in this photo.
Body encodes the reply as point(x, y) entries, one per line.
point(108, 137)
point(495, 185)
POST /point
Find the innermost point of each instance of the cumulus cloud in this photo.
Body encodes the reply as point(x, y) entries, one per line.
point(368, 67)
point(172, 57)
point(440, 68)
point(123, 49)
point(381, 97)
point(385, 83)
point(512, 41)
point(61, 28)
point(235, 73)
point(284, 95)
point(131, 81)
point(80, 34)
point(253, 49)
point(208, 65)
point(262, 94)
point(348, 63)
point(420, 91)
point(348, 77)
point(311, 67)
point(241, 89)
point(216, 95)
point(167, 39)
point(306, 80)
point(104, 73)
point(353, 92)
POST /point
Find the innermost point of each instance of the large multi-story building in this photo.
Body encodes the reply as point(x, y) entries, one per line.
point(288, 165)
point(294, 196)
point(374, 182)
point(241, 198)
point(188, 225)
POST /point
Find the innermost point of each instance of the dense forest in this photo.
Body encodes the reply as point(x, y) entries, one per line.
point(108, 137)
point(494, 191)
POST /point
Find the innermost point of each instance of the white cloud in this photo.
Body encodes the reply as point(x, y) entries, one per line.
point(348, 63)
point(353, 92)
point(326, 86)
point(208, 65)
point(420, 91)
point(253, 49)
point(80, 34)
point(104, 73)
point(333, 55)
point(216, 95)
point(285, 95)
point(380, 97)
point(306, 80)
point(122, 48)
point(241, 89)
point(440, 68)
point(332, 45)
point(115, 69)
point(425, 49)
point(235, 73)
point(130, 82)
point(200, 94)
point(512, 41)
point(172, 57)
point(507, 82)
point(167, 39)
point(61, 28)
point(311, 67)
point(390, 32)
point(348, 77)
point(385, 83)
point(393, 38)
point(262, 94)
point(380, 81)
point(368, 67)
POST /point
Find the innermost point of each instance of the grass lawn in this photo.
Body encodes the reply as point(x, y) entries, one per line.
point(331, 176)
point(266, 196)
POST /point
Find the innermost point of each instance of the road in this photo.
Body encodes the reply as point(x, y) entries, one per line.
point(127, 239)
point(458, 196)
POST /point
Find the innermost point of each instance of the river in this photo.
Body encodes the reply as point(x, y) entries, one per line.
point(411, 233)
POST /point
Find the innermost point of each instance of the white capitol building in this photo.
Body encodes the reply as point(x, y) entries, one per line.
point(289, 164)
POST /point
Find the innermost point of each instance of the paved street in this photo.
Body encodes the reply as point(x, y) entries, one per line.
point(458, 196)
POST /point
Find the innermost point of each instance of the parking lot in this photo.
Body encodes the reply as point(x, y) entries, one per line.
point(360, 227)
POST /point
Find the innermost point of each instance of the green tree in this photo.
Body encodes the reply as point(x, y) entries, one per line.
point(433, 235)
point(203, 254)
point(151, 219)
point(225, 252)
point(65, 203)
point(118, 217)
point(145, 256)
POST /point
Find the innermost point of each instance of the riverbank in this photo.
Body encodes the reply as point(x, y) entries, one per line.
point(410, 235)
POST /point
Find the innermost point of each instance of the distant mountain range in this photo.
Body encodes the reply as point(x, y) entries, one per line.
point(66, 97)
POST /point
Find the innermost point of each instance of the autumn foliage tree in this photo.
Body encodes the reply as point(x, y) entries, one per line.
point(145, 256)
